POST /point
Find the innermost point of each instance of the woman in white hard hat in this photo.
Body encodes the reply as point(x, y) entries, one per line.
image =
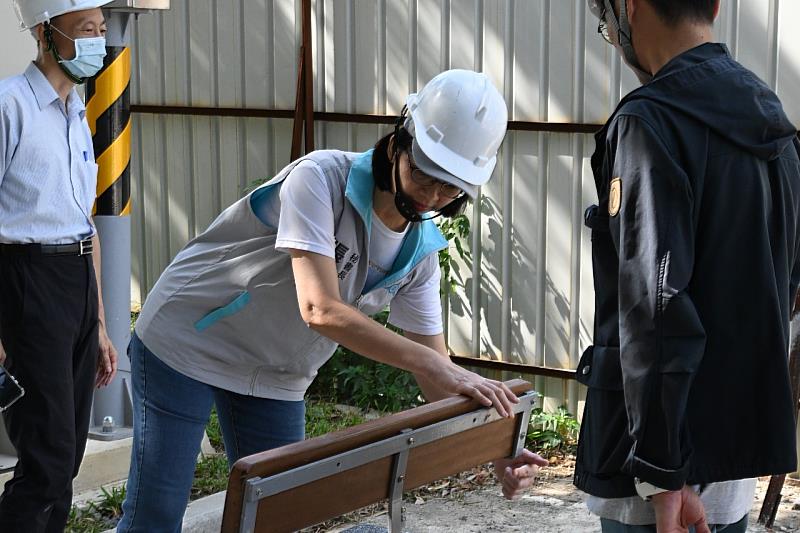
point(52, 332)
point(251, 308)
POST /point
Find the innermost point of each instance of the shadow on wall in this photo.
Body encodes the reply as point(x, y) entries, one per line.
point(525, 276)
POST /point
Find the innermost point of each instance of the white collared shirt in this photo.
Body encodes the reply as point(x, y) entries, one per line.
point(725, 502)
point(48, 174)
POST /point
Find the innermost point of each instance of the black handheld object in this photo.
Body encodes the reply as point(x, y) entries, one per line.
point(10, 389)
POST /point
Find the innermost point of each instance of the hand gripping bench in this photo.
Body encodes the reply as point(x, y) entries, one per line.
point(308, 482)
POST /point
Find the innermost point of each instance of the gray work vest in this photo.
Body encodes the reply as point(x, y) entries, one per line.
point(225, 311)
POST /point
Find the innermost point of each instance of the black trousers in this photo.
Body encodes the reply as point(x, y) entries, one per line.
point(48, 326)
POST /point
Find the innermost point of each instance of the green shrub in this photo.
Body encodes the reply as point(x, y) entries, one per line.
point(373, 385)
point(210, 476)
point(214, 432)
point(553, 432)
point(322, 418)
point(455, 230)
point(98, 515)
point(351, 379)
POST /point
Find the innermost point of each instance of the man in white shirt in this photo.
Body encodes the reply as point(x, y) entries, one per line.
point(51, 311)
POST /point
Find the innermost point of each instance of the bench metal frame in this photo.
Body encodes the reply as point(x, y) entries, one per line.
point(398, 446)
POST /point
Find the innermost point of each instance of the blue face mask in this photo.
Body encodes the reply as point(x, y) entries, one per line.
point(89, 54)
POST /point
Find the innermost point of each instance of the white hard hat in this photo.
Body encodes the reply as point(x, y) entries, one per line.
point(33, 12)
point(458, 121)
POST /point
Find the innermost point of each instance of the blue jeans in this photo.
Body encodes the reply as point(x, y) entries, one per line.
point(170, 412)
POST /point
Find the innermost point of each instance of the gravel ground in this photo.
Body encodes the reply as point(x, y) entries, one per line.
point(472, 502)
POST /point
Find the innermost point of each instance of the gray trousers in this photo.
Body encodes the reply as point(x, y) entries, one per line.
point(612, 526)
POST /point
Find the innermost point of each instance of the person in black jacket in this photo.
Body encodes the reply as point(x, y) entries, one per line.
point(696, 257)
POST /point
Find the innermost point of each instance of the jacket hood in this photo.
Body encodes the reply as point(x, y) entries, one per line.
point(708, 85)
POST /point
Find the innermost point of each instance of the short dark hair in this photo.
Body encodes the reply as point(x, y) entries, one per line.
point(673, 12)
point(382, 169)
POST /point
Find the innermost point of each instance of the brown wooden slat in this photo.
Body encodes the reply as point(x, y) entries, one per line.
point(281, 459)
point(460, 452)
point(324, 499)
point(356, 488)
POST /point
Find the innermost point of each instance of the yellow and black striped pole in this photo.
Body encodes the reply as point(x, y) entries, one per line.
point(109, 117)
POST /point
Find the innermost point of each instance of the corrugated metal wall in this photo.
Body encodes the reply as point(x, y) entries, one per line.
point(528, 293)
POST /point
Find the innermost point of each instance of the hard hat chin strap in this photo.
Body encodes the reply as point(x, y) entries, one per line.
point(51, 47)
point(402, 202)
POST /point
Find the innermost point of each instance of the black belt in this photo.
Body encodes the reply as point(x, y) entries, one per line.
point(83, 247)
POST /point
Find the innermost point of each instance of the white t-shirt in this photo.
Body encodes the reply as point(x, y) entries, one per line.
point(418, 308)
point(384, 245)
point(303, 214)
point(725, 503)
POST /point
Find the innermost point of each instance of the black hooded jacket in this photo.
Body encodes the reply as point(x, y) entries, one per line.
point(696, 258)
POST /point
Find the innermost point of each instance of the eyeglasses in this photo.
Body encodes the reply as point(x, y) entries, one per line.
point(423, 180)
point(602, 27)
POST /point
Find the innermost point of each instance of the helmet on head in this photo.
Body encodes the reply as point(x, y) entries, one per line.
point(33, 12)
point(458, 121)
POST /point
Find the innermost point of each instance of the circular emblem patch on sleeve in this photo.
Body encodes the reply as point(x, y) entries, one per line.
point(615, 197)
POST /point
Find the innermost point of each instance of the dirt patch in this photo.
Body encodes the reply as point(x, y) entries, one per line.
point(471, 503)
point(788, 517)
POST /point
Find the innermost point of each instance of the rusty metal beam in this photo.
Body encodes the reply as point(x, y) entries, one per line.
point(560, 373)
point(233, 112)
point(308, 78)
point(304, 101)
point(353, 118)
point(297, 115)
point(553, 127)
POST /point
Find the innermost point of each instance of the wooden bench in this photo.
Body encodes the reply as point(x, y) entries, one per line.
point(308, 482)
